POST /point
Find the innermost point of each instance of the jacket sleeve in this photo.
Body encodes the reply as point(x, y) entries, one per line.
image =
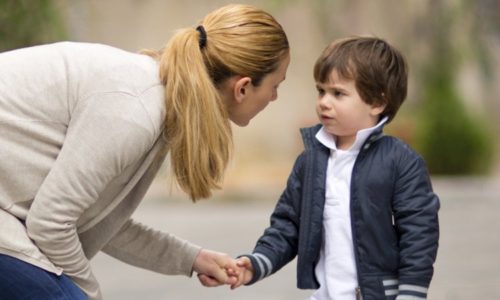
point(415, 209)
point(278, 245)
point(106, 133)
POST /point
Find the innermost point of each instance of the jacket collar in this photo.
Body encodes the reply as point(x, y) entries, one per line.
point(309, 137)
point(310, 141)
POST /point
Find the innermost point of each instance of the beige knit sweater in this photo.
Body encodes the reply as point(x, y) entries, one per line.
point(80, 143)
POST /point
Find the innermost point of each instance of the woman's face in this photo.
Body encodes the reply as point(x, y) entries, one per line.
point(248, 100)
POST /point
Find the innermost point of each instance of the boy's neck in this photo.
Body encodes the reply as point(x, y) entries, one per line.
point(343, 142)
point(347, 142)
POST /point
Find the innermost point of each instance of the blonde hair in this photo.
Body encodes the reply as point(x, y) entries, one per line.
point(240, 40)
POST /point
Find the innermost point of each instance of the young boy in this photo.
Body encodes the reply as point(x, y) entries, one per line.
point(358, 209)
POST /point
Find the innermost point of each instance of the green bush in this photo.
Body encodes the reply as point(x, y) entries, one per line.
point(451, 140)
point(26, 23)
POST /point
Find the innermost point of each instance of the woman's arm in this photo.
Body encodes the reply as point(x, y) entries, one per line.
point(147, 248)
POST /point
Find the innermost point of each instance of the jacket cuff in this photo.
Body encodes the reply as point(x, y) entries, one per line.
point(261, 265)
point(412, 292)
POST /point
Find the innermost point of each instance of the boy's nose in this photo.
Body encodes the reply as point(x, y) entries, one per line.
point(324, 103)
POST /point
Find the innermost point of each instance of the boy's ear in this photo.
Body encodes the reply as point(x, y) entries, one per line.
point(377, 109)
point(240, 88)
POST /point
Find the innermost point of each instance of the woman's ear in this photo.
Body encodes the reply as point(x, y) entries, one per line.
point(240, 88)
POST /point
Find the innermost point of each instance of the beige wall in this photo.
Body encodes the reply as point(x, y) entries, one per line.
point(266, 149)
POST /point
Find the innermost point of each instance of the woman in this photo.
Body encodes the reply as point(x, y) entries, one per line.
point(84, 129)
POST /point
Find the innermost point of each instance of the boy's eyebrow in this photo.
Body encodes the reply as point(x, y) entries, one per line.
point(328, 86)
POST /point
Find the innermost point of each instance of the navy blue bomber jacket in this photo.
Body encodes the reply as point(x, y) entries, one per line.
point(394, 219)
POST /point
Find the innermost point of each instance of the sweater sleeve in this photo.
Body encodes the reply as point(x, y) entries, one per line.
point(415, 209)
point(144, 247)
point(106, 133)
point(279, 243)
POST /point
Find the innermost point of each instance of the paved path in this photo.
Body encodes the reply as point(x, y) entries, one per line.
point(468, 265)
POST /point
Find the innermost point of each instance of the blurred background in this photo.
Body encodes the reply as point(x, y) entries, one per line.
point(451, 117)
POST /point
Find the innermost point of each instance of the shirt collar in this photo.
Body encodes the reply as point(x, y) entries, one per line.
point(328, 140)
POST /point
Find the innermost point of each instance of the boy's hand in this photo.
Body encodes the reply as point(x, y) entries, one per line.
point(245, 273)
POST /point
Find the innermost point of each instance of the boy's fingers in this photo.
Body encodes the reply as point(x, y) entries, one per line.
point(229, 264)
point(232, 272)
point(225, 276)
point(236, 285)
point(232, 280)
point(243, 262)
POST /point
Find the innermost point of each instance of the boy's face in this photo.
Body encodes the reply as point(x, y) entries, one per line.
point(342, 111)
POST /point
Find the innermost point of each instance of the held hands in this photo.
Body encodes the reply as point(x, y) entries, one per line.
point(215, 268)
point(245, 272)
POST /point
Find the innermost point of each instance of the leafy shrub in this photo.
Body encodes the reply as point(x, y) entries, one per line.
point(451, 140)
point(26, 23)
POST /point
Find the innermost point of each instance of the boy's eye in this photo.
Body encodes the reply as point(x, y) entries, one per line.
point(321, 91)
point(337, 93)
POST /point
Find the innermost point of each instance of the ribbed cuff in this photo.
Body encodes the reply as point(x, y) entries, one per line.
point(262, 267)
point(411, 292)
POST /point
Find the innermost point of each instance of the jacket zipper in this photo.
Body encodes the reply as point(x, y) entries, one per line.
point(355, 250)
point(371, 139)
point(358, 293)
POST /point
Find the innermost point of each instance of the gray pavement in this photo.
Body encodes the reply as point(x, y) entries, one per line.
point(468, 265)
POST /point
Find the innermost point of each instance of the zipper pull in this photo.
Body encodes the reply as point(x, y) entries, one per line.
point(358, 293)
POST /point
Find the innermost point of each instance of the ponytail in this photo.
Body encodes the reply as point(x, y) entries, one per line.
point(197, 126)
point(236, 39)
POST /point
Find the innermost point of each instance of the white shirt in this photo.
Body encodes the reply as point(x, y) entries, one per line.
point(336, 268)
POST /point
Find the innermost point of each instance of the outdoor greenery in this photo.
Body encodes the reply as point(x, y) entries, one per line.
point(454, 140)
point(26, 23)
point(438, 38)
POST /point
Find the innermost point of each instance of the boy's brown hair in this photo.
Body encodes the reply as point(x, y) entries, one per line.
point(380, 71)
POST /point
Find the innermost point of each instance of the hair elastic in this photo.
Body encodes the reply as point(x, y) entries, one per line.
point(203, 36)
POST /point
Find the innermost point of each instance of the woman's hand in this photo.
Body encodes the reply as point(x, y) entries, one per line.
point(215, 268)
